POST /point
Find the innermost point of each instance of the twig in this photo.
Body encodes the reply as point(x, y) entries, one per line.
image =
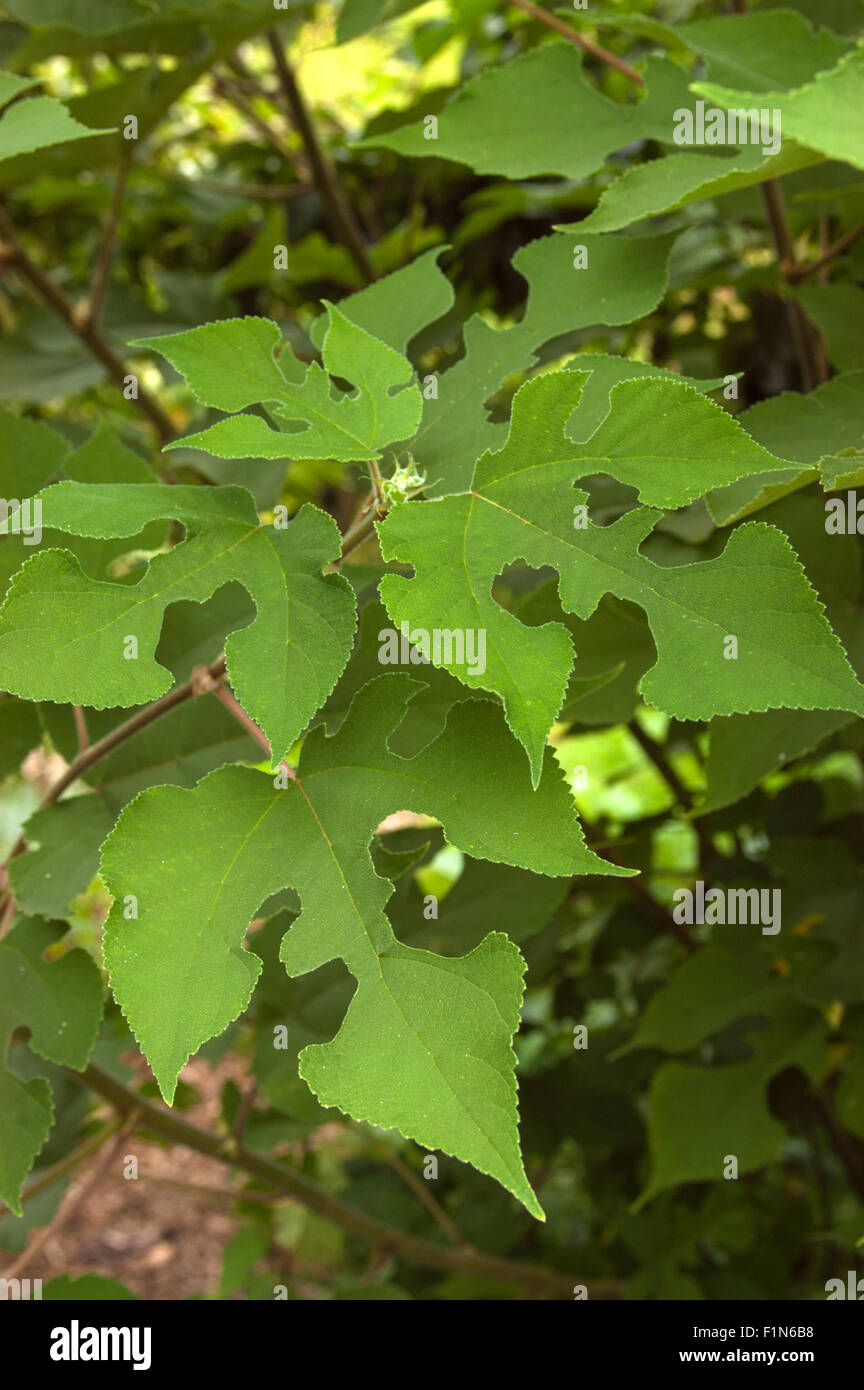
point(81, 728)
point(204, 1190)
point(375, 474)
point(682, 795)
point(658, 914)
point(234, 707)
point(8, 911)
point(93, 309)
point(244, 1110)
point(363, 524)
point(341, 216)
point(846, 1145)
point(89, 333)
point(421, 1190)
point(805, 347)
point(97, 751)
point(233, 94)
point(798, 272)
point(277, 191)
point(587, 45)
point(657, 756)
point(428, 1255)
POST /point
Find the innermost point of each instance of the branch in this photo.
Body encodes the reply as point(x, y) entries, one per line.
point(649, 904)
point(420, 1188)
point(81, 728)
point(88, 332)
point(277, 191)
point(93, 310)
point(847, 1146)
point(360, 530)
point(587, 45)
point(341, 217)
point(806, 347)
point(233, 94)
point(654, 752)
point(159, 1120)
point(208, 682)
point(97, 751)
point(800, 272)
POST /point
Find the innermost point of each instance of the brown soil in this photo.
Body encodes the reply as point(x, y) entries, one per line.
point(163, 1242)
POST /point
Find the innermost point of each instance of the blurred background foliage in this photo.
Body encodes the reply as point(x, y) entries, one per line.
point(220, 176)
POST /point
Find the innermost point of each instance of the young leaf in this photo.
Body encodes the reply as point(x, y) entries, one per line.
point(385, 407)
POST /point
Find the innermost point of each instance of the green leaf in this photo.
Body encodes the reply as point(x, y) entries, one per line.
point(356, 17)
point(12, 86)
point(745, 748)
point(724, 981)
point(673, 182)
point(61, 1004)
point(396, 307)
point(67, 1288)
point(145, 92)
point(385, 407)
point(615, 650)
point(773, 49)
point(538, 115)
point(63, 855)
point(427, 712)
point(282, 666)
point(19, 732)
point(34, 122)
point(229, 364)
point(31, 454)
point(595, 401)
point(97, 16)
point(664, 439)
point(522, 507)
point(836, 311)
point(199, 863)
point(778, 48)
point(827, 421)
point(701, 1115)
point(827, 114)
point(624, 279)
